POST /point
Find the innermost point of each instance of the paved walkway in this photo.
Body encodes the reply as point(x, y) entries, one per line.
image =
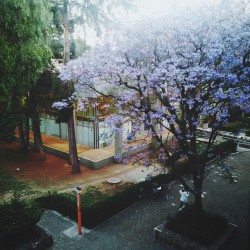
point(90, 157)
point(133, 227)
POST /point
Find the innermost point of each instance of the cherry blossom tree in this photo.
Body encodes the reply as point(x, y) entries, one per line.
point(171, 73)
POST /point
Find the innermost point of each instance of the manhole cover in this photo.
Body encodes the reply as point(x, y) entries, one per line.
point(114, 180)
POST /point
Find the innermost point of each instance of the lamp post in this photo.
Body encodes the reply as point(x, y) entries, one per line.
point(79, 216)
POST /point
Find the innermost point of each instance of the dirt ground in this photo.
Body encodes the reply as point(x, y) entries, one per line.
point(54, 173)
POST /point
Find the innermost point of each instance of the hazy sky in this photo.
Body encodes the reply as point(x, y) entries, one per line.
point(150, 7)
point(147, 8)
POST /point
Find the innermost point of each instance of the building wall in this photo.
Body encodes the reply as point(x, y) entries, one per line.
point(84, 131)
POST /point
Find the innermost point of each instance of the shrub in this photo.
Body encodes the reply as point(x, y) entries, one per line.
point(247, 122)
point(224, 147)
point(202, 226)
point(93, 195)
point(95, 205)
point(221, 149)
point(17, 218)
point(64, 203)
point(112, 204)
point(233, 127)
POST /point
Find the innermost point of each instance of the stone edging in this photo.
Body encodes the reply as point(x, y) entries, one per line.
point(161, 233)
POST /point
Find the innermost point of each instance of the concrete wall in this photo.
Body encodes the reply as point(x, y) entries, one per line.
point(84, 131)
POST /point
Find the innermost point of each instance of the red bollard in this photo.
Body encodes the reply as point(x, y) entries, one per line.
point(79, 216)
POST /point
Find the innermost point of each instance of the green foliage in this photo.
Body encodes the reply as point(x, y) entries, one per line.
point(233, 127)
point(24, 50)
point(103, 209)
point(93, 195)
point(8, 124)
point(220, 149)
point(9, 183)
point(81, 46)
point(17, 219)
point(97, 206)
point(246, 121)
point(95, 14)
point(64, 203)
point(224, 147)
point(238, 125)
point(235, 114)
point(201, 226)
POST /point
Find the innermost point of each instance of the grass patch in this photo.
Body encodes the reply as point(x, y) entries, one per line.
point(9, 183)
point(203, 227)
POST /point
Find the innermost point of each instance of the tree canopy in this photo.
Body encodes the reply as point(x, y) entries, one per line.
point(171, 73)
point(24, 48)
point(72, 15)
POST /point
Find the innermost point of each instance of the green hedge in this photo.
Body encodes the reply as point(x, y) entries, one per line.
point(94, 209)
point(103, 209)
point(246, 120)
point(221, 149)
point(97, 206)
point(17, 221)
point(64, 203)
point(234, 127)
point(225, 147)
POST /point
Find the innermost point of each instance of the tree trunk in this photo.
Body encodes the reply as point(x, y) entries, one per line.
point(23, 127)
point(72, 144)
point(27, 131)
point(73, 157)
point(38, 144)
point(66, 47)
point(197, 192)
point(21, 134)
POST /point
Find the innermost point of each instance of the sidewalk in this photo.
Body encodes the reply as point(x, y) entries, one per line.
point(93, 158)
point(90, 157)
point(133, 227)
